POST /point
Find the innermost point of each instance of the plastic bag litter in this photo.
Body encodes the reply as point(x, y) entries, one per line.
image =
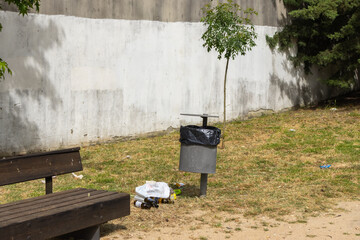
point(153, 189)
point(209, 136)
point(78, 176)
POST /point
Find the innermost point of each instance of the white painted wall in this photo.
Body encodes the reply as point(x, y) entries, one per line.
point(77, 80)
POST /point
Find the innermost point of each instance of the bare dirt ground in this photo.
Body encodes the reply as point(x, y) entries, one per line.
point(343, 223)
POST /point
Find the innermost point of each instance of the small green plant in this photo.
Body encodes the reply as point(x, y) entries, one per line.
point(265, 224)
point(330, 104)
point(217, 225)
point(229, 32)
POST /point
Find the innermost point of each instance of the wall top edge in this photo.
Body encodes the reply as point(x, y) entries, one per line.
point(271, 13)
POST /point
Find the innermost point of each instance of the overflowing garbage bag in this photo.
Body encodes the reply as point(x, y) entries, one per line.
point(191, 134)
point(152, 193)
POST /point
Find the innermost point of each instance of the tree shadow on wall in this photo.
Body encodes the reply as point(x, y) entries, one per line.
point(282, 18)
point(28, 95)
point(302, 89)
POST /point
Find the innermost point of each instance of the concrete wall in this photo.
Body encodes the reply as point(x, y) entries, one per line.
point(271, 12)
point(82, 80)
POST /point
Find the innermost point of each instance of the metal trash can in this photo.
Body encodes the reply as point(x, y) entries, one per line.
point(198, 148)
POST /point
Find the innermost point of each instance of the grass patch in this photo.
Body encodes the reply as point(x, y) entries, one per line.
point(270, 166)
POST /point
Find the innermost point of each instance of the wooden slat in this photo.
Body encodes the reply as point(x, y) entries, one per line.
point(76, 149)
point(44, 197)
point(68, 218)
point(26, 207)
point(60, 207)
point(42, 165)
point(40, 206)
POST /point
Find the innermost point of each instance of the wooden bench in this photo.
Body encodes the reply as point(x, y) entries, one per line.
point(75, 213)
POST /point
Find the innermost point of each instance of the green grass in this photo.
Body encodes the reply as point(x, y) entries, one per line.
point(265, 169)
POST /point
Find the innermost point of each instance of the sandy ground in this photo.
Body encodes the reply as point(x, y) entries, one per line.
point(343, 223)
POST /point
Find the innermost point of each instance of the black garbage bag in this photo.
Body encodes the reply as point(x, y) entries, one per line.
point(191, 134)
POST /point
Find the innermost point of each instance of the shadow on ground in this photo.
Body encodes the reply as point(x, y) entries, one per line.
point(108, 228)
point(190, 191)
point(349, 100)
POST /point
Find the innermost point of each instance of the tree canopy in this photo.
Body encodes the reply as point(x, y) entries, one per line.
point(229, 29)
point(326, 34)
point(23, 7)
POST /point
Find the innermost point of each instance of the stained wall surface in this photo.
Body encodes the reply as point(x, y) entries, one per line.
point(271, 12)
point(85, 79)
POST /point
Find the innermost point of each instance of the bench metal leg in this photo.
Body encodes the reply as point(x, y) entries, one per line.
point(48, 185)
point(91, 233)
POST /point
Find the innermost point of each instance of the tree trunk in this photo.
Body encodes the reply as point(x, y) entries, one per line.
point(224, 123)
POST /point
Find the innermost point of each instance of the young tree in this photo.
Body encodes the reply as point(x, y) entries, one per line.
point(23, 7)
point(326, 34)
point(229, 32)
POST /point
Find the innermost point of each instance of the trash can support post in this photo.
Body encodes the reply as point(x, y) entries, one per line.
point(204, 176)
point(203, 184)
point(205, 120)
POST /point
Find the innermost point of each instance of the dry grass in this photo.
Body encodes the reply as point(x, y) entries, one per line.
point(266, 169)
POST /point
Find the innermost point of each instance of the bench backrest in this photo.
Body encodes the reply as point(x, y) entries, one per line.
point(42, 165)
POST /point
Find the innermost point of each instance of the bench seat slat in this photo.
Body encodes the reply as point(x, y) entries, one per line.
point(68, 217)
point(39, 205)
point(45, 204)
point(33, 214)
point(45, 198)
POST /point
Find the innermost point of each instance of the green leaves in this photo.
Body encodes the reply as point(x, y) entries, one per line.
point(229, 29)
point(3, 69)
point(25, 5)
point(327, 35)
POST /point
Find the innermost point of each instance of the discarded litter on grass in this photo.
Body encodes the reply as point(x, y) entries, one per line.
point(152, 193)
point(178, 188)
point(78, 176)
point(325, 166)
